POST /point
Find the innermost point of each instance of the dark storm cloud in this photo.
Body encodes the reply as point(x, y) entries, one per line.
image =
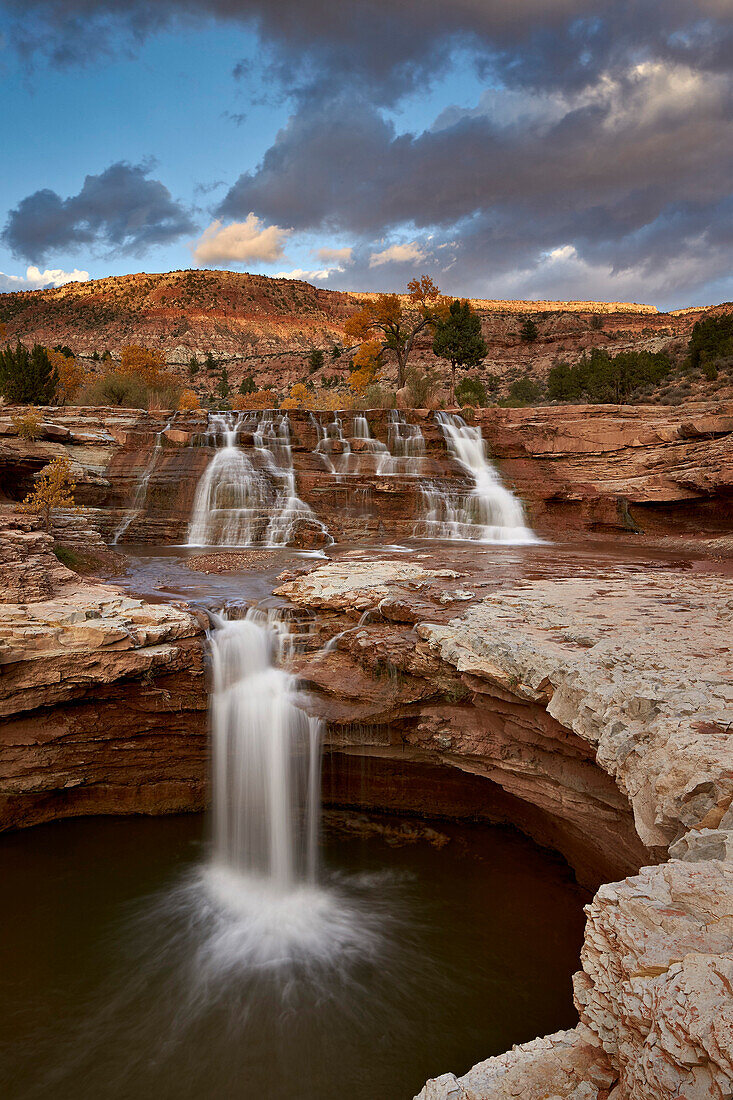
point(397, 46)
point(120, 208)
point(602, 168)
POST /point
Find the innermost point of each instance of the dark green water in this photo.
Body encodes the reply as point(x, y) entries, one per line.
point(121, 975)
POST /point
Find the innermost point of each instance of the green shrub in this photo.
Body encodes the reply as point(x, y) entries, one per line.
point(126, 391)
point(471, 391)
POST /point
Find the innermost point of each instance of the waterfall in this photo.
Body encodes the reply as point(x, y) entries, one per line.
point(266, 757)
point(488, 512)
point(405, 449)
point(239, 502)
point(141, 491)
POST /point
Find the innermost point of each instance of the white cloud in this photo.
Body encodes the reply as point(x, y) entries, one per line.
point(35, 279)
point(335, 256)
point(300, 273)
point(398, 254)
point(240, 242)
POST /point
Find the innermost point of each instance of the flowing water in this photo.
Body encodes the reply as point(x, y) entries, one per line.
point(266, 758)
point(488, 512)
point(141, 489)
point(241, 502)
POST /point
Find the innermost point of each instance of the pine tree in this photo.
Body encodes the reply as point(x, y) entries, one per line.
point(458, 338)
point(27, 377)
point(529, 331)
point(223, 387)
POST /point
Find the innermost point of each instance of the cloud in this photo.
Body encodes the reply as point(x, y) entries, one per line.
point(250, 241)
point(307, 276)
point(120, 208)
point(337, 256)
point(35, 279)
point(398, 254)
point(316, 45)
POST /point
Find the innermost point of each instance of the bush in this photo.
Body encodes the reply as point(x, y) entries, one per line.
point(260, 399)
point(122, 390)
point(471, 391)
point(421, 387)
point(525, 391)
point(28, 425)
point(27, 377)
point(188, 402)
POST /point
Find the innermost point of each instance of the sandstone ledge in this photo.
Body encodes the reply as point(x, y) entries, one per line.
point(637, 668)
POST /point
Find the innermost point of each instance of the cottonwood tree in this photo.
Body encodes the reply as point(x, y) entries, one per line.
point(458, 338)
point(396, 326)
point(54, 488)
point(367, 365)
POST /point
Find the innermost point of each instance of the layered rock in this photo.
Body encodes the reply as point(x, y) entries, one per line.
point(637, 669)
point(102, 696)
point(577, 467)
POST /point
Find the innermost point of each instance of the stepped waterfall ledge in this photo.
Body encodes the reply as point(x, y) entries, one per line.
point(489, 512)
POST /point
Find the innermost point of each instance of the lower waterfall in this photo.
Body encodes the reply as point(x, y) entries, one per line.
point(266, 757)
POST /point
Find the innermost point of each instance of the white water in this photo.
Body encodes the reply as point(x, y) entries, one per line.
point(141, 491)
point(489, 512)
point(266, 760)
point(405, 447)
point(241, 502)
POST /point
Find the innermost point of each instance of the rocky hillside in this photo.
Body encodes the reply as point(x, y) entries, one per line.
point(267, 327)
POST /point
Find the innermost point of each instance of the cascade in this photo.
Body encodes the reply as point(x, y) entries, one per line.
point(141, 491)
point(405, 448)
point(239, 502)
point(266, 757)
point(486, 513)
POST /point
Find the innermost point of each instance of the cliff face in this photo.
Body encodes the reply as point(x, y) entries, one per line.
point(266, 327)
point(597, 713)
point(102, 697)
point(579, 467)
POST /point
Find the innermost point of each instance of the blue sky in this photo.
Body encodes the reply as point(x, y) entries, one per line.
point(565, 155)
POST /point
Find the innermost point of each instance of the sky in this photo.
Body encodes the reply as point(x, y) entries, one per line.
point(508, 148)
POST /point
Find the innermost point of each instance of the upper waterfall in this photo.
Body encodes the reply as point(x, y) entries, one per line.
point(489, 512)
point(249, 499)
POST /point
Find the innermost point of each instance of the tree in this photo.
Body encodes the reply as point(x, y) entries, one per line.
point(188, 402)
point(70, 374)
point(529, 331)
point(27, 377)
point(396, 326)
point(260, 399)
point(367, 365)
point(335, 352)
point(193, 367)
point(711, 341)
point(142, 363)
point(458, 338)
point(210, 363)
point(298, 398)
point(223, 388)
point(247, 385)
point(54, 488)
point(315, 360)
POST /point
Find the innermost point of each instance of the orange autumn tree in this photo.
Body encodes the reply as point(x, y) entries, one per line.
point(394, 325)
point(143, 363)
point(71, 375)
point(367, 365)
point(188, 402)
point(54, 488)
point(260, 399)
